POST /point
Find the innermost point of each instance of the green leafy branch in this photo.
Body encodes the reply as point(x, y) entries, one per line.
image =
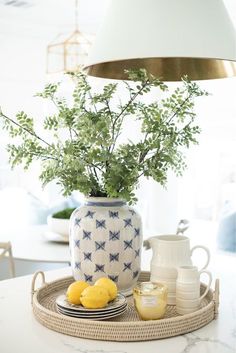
point(90, 158)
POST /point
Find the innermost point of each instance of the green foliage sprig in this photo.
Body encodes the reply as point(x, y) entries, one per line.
point(91, 159)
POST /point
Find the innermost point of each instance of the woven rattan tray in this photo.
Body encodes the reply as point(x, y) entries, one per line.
point(128, 326)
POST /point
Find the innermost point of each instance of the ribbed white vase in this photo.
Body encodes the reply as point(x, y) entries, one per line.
point(106, 241)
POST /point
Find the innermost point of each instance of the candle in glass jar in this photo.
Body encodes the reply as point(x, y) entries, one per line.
point(150, 300)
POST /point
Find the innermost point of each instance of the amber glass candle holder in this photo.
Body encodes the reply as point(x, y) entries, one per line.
point(150, 300)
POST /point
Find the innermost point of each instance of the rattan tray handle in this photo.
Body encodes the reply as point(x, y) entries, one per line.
point(33, 290)
point(216, 297)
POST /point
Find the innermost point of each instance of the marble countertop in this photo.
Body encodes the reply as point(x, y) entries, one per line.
point(20, 332)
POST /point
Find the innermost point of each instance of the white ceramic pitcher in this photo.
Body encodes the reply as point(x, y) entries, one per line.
point(172, 251)
point(169, 253)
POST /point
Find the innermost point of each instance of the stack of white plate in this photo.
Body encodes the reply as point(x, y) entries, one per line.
point(114, 308)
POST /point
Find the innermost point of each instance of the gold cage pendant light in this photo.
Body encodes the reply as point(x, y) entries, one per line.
point(68, 53)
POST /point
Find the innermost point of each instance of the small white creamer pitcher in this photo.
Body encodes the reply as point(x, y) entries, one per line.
point(188, 297)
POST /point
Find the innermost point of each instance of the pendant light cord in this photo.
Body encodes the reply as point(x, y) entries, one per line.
point(76, 15)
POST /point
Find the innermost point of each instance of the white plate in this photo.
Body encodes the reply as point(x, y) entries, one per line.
point(114, 304)
point(55, 237)
point(93, 317)
point(88, 314)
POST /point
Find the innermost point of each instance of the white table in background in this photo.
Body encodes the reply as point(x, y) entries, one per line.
point(32, 251)
point(20, 332)
point(31, 244)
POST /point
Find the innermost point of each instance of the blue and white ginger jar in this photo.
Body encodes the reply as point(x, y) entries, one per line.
point(106, 241)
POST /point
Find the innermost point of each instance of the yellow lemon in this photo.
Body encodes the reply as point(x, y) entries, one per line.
point(94, 297)
point(109, 285)
point(74, 291)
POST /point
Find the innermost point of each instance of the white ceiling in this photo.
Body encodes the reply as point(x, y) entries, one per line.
point(43, 19)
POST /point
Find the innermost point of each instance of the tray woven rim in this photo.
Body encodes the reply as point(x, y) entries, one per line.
point(104, 330)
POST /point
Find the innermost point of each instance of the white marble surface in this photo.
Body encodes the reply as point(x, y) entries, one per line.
point(20, 332)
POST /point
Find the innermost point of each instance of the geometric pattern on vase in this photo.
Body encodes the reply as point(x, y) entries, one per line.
point(106, 240)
